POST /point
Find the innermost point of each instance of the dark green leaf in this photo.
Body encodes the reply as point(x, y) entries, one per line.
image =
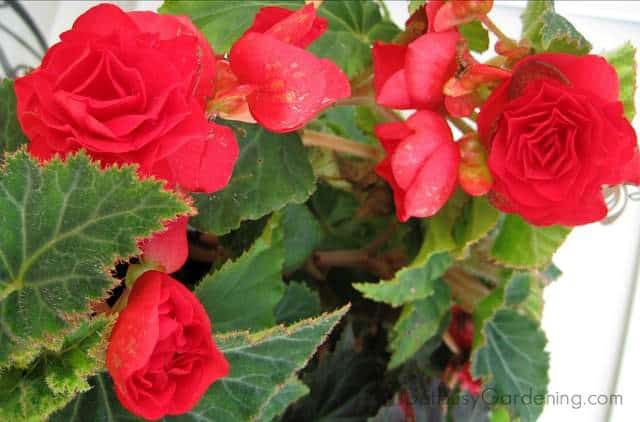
point(299, 302)
point(353, 26)
point(272, 171)
point(62, 226)
point(521, 245)
point(11, 136)
point(514, 362)
point(623, 59)
point(302, 234)
point(243, 294)
point(55, 377)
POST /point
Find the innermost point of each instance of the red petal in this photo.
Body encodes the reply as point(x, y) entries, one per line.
point(136, 332)
point(491, 111)
point(589, 73)
point(290, 81)
point(430, 62)
point(169, 249)
point(203, 164)
point(389, 76)
point(299, 28)
point(337, 83)
point(103, 19)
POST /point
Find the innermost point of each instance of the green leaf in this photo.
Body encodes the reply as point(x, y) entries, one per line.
point(522, 291)
point(243, 294)
point(222, 22)
point(549, 31)
point(514, 362)
point(418, 323)
point(288, 393)
point(272, 171)
point(623, 59)
point(411, 283)
point(476, 35)
point(302, 235)
point(56, 376)
point(62, 226)
point(521, 245)
point(299, 302)
point(11, 136)
point(353, 26)
point(261, 366)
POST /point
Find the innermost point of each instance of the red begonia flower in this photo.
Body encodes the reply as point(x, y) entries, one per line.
point(291, 85)
point(161, 355)
point(556, 133)
point(129, 88)
point(421, 164)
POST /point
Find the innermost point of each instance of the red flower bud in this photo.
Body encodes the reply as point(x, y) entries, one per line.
point(473, 174)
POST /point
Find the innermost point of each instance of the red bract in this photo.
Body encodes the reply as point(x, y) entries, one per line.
point(161, 355)
point(291, 85)
point(130, 88)
point(466, 381)
point(556, 133)
point(167, 250)
point(421, 163)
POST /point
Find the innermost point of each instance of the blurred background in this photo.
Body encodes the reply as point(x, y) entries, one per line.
point(592, 313)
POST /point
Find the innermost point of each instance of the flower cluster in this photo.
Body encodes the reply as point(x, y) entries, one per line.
point(551, 134)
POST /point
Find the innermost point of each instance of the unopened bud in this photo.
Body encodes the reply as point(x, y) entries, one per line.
point(473, 174)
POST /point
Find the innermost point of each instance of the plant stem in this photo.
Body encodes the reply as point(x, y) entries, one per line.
point(312, 138)
point(486, 20)
point(388, 114)
point(358, 100)
point(461, 124)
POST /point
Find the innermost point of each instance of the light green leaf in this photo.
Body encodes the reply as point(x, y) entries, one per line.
point(299, 302)
point(302, 235)
point(11, 136)
point(272, 171)
point(514, 362)
point(623, 59)
point(222, 22)
point(418, 323)
point(62, 226)
point(411, 283)
point(476, 35)
point(353, 26)
point(56, 376)
point(261, 366)
point(243, 294)
point(521, 245)
point(549, 31)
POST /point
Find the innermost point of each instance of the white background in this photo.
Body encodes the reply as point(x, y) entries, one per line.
point(592, 325)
